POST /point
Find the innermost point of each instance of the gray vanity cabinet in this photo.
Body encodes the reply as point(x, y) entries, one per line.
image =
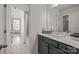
point(50, 46)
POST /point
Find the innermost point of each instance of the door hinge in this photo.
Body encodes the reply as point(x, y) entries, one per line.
point(4, 31)
point(5, 5)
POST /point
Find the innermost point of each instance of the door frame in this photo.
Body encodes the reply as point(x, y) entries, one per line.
point(8, 28)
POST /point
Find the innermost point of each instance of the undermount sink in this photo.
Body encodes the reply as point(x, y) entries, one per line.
point(76, 39)
point(60, 35)
point(70, 37)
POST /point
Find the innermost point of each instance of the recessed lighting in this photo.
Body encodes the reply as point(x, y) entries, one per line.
point(54, 5)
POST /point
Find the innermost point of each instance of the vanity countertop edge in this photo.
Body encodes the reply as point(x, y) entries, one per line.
point(67, 40)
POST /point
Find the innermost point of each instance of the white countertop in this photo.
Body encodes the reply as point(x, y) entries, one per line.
point(72, 41)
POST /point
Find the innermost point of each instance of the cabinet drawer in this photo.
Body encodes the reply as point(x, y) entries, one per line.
point(68, 49)
point(50, 41)
point(62, 46)
point(54, 50)
point(40, 37)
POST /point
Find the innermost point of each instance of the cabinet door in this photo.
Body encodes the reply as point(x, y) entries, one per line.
point(54, 50)
point(51, 41)
point(42, 47)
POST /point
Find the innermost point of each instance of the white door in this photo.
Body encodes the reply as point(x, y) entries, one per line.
point(3, 28)
point(15, 31)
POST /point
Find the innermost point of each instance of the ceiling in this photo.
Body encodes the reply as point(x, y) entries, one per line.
point(65, 6)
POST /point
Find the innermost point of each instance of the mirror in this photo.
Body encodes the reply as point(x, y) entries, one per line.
point(64, 18)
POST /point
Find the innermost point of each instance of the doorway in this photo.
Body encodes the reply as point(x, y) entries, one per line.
point(16, 38)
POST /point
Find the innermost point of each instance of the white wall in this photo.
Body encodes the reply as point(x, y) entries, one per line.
point(73, 18)
point(37, 22)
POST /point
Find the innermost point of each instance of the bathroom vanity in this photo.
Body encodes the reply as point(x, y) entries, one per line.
point(52, 44)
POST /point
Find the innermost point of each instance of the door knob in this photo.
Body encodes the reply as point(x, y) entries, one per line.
point(4, 45)
point(1, 46)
